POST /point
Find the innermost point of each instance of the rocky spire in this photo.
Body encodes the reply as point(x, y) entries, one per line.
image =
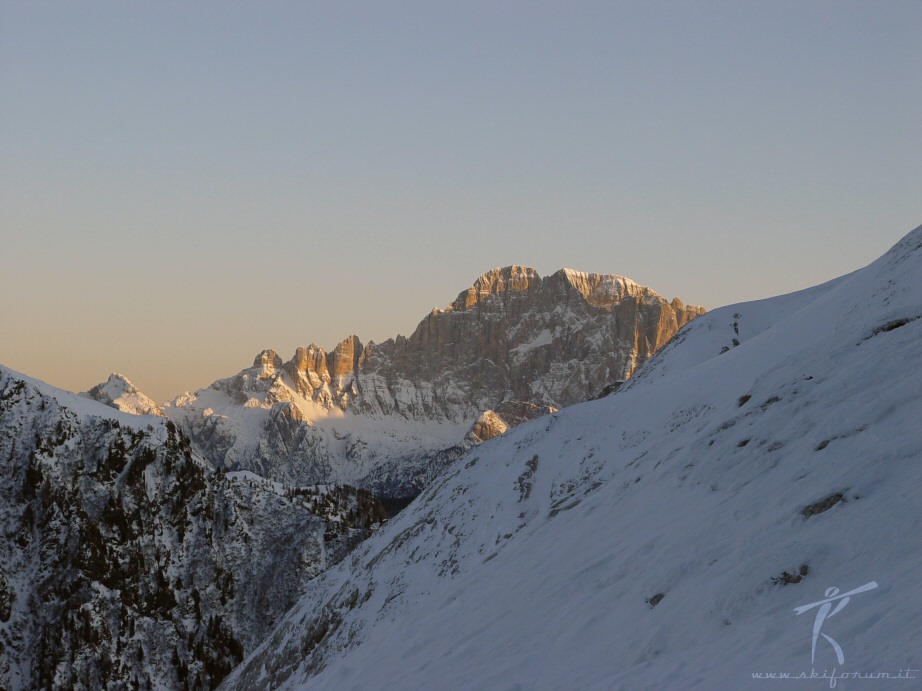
point(268, 360)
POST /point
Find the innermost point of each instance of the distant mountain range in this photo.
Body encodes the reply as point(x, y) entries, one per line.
point(389, 416)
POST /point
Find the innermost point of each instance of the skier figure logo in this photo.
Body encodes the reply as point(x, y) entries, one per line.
point(824, 613)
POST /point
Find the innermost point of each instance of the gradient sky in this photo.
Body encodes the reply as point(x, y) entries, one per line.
point(185, 183)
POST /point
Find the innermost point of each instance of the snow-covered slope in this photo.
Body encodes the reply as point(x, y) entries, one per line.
point(662, 537)
point(389, 416)
point(126, 562)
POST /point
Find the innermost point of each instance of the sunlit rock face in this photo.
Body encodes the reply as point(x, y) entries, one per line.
point(511, 336)
point(487, 426)
point(493, 423)
point(268, 360)
point(515, 336)
point(514, 344)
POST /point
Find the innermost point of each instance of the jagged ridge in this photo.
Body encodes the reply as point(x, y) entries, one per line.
point(514, 344)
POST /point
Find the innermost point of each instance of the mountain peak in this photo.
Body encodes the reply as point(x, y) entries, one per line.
point(604, 291)
point(513, 272)
point(513, 343)
point(117, 379)
point(118, 392)
point(500, 280)
point(267, 359)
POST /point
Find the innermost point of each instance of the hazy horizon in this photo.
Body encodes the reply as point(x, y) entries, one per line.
point(185, 184)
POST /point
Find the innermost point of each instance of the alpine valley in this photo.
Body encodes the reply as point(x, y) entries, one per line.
point(127, 562)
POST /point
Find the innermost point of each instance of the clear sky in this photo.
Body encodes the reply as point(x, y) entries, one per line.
point(185, 183)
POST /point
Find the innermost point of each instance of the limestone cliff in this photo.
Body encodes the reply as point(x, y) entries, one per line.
point(515, 336)
point(511, 336)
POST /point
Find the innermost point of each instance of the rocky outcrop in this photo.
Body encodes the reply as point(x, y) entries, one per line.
point(508, 414)
point(344, 361)
point(509, 348)
point(268, 361)
point(487, 426)
point(324, 379)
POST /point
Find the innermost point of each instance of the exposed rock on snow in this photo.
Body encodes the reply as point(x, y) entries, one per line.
point(493, 423)
point(488, 425)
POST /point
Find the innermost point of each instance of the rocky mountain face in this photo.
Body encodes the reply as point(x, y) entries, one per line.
point(386, 416)
point(512, 336)
point(127, 562)
point(516, 337)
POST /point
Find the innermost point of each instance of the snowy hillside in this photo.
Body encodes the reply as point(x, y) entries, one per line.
point(126, 562)
point(662, 537)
